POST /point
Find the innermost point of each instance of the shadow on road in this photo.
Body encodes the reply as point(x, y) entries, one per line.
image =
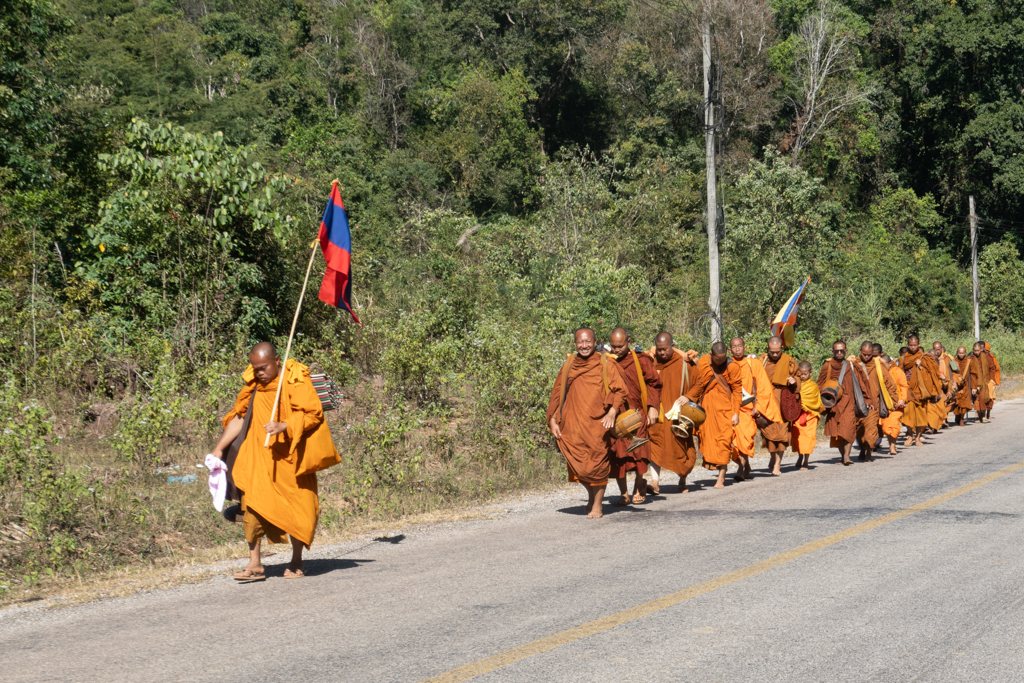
point(317, 567)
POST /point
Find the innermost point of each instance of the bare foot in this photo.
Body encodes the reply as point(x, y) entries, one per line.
point(776, 472)
point(595, 514)
point(804, 467)
point(296, 573)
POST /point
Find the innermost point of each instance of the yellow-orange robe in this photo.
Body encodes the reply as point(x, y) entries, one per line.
point(268, 477)
point(805, 430)
point(922, 384)
point(716, 434)
point(753, 376)
point(668, 450)
point(585, 444)
point(775, 437)
point(892, 425)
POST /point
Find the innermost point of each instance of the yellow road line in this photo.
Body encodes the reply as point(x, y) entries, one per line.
point(488, 664)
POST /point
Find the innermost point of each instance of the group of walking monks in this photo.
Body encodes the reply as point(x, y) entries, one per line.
point(860, 399)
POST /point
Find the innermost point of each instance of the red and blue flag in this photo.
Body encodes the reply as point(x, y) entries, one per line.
point(336, 243)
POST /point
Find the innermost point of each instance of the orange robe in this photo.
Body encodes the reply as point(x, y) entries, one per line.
point(967, 382)
point(585, 444)
point(938, 411)
point(776, 436)
point(892, 425)
point(842, 421)
point(668, 450)
point(805, 430)
point(638, 458)
point(753, 375)
point(994, 379)
point(867, 426)
point(981, 374)
point(269, 478)
point(922, 384)
point(716, 434)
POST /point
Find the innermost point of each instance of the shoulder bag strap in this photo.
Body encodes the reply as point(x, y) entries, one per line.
point(750, 365)
point(842, 372)
point(565, 382)
point(640, 379)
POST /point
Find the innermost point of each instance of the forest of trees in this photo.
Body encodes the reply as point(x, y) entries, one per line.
point(511, 171)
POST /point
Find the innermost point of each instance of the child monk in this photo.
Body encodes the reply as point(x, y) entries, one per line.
point(805, 429)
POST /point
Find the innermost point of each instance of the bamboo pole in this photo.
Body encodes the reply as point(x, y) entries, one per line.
point(291, 335)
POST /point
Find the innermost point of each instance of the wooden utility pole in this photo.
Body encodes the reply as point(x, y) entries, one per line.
point(974, 269)
point(715, 293)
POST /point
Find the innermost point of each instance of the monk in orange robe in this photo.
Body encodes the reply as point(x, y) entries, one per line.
point(718, 388)
point(981, 378)
point(277, 483)
point(892, 425)
point(643, 394)
point(923, 385)
point(939, 410)
point(805, 429)
point(841, 420)
point(782, 371)
point(965, 384)
point(878, 392)
point(585, 399)
point(994, 380)
point(675, 369)
point(757, 395)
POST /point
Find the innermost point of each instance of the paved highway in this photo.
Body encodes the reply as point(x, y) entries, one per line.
point(904, 569)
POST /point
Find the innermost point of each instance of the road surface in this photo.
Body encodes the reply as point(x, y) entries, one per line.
point(900, 570)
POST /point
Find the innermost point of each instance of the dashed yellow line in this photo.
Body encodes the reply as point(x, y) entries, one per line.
point(488, 664)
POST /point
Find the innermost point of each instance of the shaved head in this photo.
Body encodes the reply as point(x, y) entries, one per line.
point(738, 348)
point(804, 365)
point(264, 350)
point(961, 352)
point(718, 353)
point(265, 362)
point(885, 359)
point(913, 337)
point(618, 340)
point(876, 349)
point(663, 348)
point(867, 346)
point(774, 349)
point(774, 341)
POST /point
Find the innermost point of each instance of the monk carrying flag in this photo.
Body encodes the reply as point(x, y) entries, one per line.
point(585, 399)
point(277, 483)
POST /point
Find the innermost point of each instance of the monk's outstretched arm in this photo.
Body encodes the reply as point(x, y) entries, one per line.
point(231, 432)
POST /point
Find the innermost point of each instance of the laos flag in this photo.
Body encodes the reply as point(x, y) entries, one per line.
point(336, 243)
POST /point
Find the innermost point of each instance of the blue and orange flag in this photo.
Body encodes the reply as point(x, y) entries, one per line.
point(336, 243)
point(785, 320)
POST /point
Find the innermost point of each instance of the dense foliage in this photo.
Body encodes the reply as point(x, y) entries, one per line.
point(511, 171)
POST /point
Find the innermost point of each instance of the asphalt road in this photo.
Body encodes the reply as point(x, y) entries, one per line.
point(932, 596)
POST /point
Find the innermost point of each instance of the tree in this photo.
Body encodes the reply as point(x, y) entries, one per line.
point(823, 83)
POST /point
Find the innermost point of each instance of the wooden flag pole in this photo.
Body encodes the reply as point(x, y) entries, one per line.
point(291, 335)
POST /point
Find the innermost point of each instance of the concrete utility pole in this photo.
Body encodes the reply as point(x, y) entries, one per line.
point(715, 293)
point(974, 269)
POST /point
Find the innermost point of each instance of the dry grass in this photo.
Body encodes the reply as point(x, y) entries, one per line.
point(1012, 387)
